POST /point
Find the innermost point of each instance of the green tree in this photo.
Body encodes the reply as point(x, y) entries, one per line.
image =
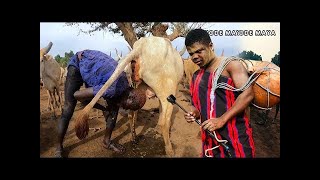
point(250, 55)
point(276, 59)
point(59, 59)
point(68, 55)
point(63, 61)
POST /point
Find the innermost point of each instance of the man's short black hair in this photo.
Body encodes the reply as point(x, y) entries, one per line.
point(197, 35)
point(133, 99)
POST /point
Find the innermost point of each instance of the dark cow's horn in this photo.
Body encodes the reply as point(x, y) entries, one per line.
point(47, 49)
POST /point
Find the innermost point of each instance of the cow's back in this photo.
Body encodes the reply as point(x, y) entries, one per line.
point(189, 68)
point(159, 60)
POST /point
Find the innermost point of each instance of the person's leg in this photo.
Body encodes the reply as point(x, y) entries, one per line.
point(111, 116)
point(73, 83)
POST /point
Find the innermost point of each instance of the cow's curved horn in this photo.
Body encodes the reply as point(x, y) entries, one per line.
point(47, 49)
point(130, 49)
point(183, 50)
point(222, 54)
point(119, 57)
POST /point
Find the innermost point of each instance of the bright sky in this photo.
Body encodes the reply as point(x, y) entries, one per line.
point(267, 45)
point(66, 38)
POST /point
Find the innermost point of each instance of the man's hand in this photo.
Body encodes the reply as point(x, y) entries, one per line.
point(212, 124)
point(192, 115)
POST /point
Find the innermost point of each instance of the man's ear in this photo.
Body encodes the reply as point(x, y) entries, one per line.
point(211, 45)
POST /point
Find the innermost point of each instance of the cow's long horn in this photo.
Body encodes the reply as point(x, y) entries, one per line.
point(183, 50)
point(222, 54)
point(130, 49)
point(47, 49)
point(119, 57)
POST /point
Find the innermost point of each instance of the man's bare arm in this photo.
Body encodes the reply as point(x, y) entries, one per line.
point(239, 76)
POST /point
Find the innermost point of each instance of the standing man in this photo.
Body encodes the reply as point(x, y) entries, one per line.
point(222, 112)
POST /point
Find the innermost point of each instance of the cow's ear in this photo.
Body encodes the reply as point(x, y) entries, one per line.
point(48, 57)
point(45, 57)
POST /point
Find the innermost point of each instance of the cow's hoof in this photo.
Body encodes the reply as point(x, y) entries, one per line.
point(58, 154)
point(169, 152)
point(115, 147)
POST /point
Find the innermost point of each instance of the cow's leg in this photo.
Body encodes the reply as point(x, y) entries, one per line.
point(59, 99)
point(49, 106)
point(53, 95)
point(165, 116)
point(162, 89)
point(132, 116)
point(165, 123)
point(52, 100)
point(62, 99)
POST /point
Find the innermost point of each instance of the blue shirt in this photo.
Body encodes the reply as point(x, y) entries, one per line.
point(96, 68)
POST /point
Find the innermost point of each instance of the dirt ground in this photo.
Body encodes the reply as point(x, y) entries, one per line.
point(185, 137)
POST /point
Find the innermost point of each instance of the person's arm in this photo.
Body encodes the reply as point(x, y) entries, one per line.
point(84, 94)
point(239, 76)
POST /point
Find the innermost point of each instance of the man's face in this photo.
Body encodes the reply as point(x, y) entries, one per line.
point(200, 54)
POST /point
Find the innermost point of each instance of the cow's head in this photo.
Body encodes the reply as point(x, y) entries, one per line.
point(43, 52)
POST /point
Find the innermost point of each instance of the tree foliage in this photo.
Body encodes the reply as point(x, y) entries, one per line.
point(63, 61)
point(276, 59)
point(250, 55)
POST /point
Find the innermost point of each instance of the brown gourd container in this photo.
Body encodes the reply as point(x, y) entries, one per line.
point(267, 86)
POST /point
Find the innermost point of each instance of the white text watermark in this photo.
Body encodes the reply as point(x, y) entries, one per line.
point(242, 32)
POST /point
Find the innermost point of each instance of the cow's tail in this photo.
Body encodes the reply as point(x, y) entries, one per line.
point(119, 69)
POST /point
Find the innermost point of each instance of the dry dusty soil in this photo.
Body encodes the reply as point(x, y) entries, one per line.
point(185, 137)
